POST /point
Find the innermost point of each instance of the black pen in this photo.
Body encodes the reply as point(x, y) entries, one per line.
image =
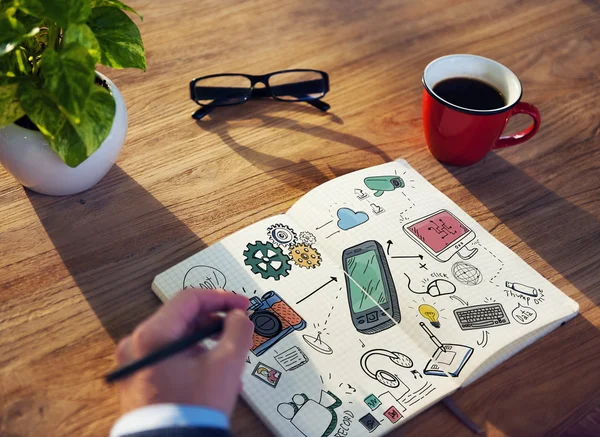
point(169, 350)
point(165, 351)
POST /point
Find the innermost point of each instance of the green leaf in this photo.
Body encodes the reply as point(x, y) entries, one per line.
point(81, 34)
point(115, 4)
point(13, 33)
point(69, 76)
point(72, 143)
point(119, 38)
point(62, 12)
point(97, 119)
point(15, 64)
point(10, 107)
point(41, 109)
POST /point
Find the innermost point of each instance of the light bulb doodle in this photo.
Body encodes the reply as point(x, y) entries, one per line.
point(431, 314)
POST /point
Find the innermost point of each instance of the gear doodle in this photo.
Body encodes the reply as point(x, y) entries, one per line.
point(267, 260)
point(307, 238)
point(281, 235)
point(305, 256)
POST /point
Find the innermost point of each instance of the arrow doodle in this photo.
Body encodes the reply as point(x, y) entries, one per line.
point(389, 243)
point(460, 300)
point(333, 279)
point(409, 256)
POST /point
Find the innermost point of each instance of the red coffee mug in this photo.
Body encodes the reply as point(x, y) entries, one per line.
point(462, 136)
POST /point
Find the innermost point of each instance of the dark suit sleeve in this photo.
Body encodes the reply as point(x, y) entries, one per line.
point(182, 432)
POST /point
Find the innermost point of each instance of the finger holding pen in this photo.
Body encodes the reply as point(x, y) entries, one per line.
point(196, 376)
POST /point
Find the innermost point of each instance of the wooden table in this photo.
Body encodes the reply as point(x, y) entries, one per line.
point(75, 272)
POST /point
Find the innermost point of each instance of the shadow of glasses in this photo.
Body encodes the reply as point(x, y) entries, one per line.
point(301, 175)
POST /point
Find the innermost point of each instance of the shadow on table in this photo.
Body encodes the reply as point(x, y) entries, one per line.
point(114, 238)
point(563, 234)
point(301, 175)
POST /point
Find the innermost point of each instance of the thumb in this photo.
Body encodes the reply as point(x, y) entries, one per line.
point(236, 339)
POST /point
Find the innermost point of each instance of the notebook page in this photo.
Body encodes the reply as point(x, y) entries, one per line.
point(468, 289)
point(304, 373)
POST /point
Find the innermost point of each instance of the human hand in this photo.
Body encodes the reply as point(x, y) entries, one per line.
point(197, 376)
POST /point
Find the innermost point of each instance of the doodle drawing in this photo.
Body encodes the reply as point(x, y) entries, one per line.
point(305, 256)
point(466, 273)
point(281, 235)
point(317, 344)
point(307, 238)
point(267, 260)
point(371, 291)
point(273, 320)
point(267, 374)
point(372, 402)
point(481, 316)
point(360, 194)
point(377, 209)
point(291, 359)
point(312, 418)
point(369, 422)
point(448, 359)
point(379, 184)
point(389, 400)
point(348, 219)
point(332, 279)
point(431, 314)
point(442, 235)
point(435, 288)
point(485, 336)
point(393, 414)
point(524, 315)
point(383, 376)
point(523, 289)
point(204, 277)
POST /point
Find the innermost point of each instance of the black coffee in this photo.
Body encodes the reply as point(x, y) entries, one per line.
point(470, 93)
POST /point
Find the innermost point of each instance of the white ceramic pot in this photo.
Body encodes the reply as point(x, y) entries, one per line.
point(28, 157)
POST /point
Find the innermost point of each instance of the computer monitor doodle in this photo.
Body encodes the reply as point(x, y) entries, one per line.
point(442, 235)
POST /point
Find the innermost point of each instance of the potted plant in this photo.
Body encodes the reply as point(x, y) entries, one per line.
point(62, 124)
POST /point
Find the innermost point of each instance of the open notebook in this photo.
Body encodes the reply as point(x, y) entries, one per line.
point(374, 297)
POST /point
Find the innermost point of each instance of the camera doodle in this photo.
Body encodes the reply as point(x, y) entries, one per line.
point(273, 320)
point(379, 184)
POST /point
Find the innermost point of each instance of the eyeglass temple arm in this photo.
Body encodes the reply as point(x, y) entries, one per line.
point(319, 104)
point(202, 112)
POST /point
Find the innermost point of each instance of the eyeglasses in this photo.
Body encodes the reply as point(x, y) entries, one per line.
point(233, 89)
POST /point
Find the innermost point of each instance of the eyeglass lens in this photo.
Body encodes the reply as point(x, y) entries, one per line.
point(297, 85)
point(222, 90)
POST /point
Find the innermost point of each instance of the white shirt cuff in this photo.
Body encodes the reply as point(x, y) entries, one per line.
point(168, 416)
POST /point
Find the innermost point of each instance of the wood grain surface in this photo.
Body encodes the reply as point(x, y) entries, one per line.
point(75, 272)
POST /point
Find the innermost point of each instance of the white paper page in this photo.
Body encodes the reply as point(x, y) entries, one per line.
point(464, 273)
point(316, 352)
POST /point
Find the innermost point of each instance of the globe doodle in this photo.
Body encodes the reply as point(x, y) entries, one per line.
point(466, 273)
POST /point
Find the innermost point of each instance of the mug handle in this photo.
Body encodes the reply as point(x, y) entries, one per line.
point(524, 135)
